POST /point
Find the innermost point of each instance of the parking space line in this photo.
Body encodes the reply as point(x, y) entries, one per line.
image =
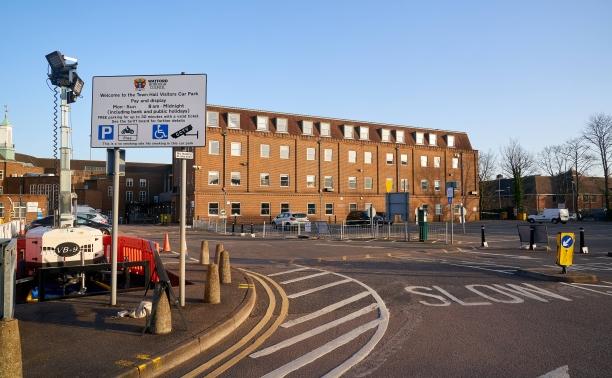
point(304, 278)
point(287, 272)
point(319, 288)
point(315, 331)
point(325, 310)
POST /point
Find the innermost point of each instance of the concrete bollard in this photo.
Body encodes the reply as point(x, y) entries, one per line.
point(10, 349)
point(218, 250)
point(161, 316)
point(212, 290)
point(226, 272)
point(204, 254)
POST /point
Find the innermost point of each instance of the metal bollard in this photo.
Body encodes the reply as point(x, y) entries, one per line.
point(483, 241)
point(233, 227)
point(583, 247)
point(252, 229)
point(531, 238)
point(242, 228)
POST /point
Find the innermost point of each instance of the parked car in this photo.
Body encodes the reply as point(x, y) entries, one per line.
point(550, 215)
point(91, 213)
point(362, 217)
point(79, 221)
point(289, 218)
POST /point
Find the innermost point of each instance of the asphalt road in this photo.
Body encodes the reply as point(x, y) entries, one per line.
point(380, 308)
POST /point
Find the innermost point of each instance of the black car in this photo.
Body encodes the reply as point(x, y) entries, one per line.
point(79, 221)
point(362, 217)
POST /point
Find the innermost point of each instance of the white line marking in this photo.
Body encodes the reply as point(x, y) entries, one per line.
point(321, 351)
point(585, 288)
point(287, 272)
point(304, 278)
point(310, 291)
point(325, 310)
point(481, 268)
point(314, 331)
point(560, 372)
point(373, 247)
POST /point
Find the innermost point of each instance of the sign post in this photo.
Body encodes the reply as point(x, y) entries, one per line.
point(565, 250)
point(148, 111)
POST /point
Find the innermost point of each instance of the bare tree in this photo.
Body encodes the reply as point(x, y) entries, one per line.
point(553, 161)
point(517, 163)
point(487, 163)
point(598, 133)
point(580, 161)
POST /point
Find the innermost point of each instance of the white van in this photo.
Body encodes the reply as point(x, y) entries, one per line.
point(550, 215)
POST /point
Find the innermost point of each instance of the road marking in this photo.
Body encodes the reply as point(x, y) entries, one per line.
point(314, 331)
point(304, 278)
point(325, 310)
point(287, 272)
point(504, 271)
point(321, 351)
point(560, 372)
point(319, 288)
point(582, 286)
point(501, 254)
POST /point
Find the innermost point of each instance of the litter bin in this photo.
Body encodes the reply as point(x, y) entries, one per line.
point(423, 226)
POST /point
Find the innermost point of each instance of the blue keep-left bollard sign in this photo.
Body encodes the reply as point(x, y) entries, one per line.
point(567, 241)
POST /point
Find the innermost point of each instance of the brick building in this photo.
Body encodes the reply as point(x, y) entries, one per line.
point(259, 163)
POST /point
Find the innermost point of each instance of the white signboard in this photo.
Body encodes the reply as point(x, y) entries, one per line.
point(148, 111)
point(31, 207)
point(183, 155)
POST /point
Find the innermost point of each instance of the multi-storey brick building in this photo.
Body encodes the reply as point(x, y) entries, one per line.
point(259, 163)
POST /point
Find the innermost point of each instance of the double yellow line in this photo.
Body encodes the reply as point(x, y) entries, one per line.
point(265, 282)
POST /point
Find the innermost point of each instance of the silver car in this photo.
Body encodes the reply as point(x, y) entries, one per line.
point(289, 218)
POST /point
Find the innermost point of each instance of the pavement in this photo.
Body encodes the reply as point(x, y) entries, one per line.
point(84, 337)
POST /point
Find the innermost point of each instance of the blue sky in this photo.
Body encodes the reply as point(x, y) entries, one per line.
point(531, 70)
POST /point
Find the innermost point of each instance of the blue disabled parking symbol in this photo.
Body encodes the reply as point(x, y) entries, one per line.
point(567, 241)
point(160, 131)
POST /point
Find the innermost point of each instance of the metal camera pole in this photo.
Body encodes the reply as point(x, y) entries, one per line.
point(115, 237)
point(65, 200)
point(182, 232)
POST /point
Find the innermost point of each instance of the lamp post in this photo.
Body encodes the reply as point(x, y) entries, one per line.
point(573, 198)
point(499, 177)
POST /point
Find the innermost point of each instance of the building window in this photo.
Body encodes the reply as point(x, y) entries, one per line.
point(419, 138)
point(213, 177)
point(236, 148)
point(262, 123)
point(213, 208)
point(450, 141)
point(284, 152)
point(348, 131)
point(1, 174)
point(235, 209)
point(404, 159)
point(389, 184)
point(352, 207)
point(109, 191)
point(212, 119)
point(265, 208)
point(352, 156)
point(364, 133)
point(328, 182)
point(437, 185)
point(404, 185)
point(455, 163)
point(310, 181)
point(264, 150)
point(367, 183)
point(436, 162)
point(423, 161)
point(213, 147)
point(385, 135)
point(352, 182)
point(307, 127)
point(235, 179)
point(284, 180)
point(284, 207)
point(310, 153)
point(129, 196)
point(233, 120)
point(399, 136)
point(438, 209)
point(324, 129)
point(264, 179)
point(142, 196)
point(1, 210)
point(328, 154)
point(390, 158)
point(424, 185)
point(129, 182)
point(311, 209)
point(433, 139)
point(367, 157)
point(329, 209)
point(281, 125)
point(143, 183)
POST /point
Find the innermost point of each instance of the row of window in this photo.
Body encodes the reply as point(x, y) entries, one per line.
point(129, 195)
point(265, 209)
point(129, 183)
point(349, 131)
point(264, 152)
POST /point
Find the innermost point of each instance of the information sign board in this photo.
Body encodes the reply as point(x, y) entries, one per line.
point(148, 111)
point(183, 154)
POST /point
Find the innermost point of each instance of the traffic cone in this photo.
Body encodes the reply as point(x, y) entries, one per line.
point(167, 244)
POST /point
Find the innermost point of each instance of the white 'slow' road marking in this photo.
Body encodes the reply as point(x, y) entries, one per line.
point(287, 272)
point(323, 287)
point(305, 278)
point(325, 310)
point(561, 372)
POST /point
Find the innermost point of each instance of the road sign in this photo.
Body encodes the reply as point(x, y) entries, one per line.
point(565, 248)
point(148, 111)
point(450, 192)
point(183, 155)
point(110, 162)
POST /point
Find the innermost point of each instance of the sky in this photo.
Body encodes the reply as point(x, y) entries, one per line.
point(529, 70)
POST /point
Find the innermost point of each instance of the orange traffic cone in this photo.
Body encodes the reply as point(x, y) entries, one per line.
point(167, 243)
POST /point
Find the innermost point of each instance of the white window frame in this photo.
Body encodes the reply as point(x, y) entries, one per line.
point(142, 183)
point(261, 209)
point(437, 161)
point(328, 154)
point(262, 177)
point(367, 157)
point(314, 207)
point(368, 183)
point(129, 182)
point(212, 119)
point(385, 135)
point(364, 133)
point(424, 161)
point(284, 155)
point(307, 127)
point(142, 196)
point(262, 123)
point(349, 132)
point(212, 146)
point(213, 174)
point(436, 185)
point(311, 154)
point(235, 175)
point(404, 185)
point(390, 158)
point(232, 213)
point(419, 137)
point(264, 150)
point(450, 141)
point(331, 182)
point(282, 125)
point(233, 120)
point(311, 181)
point(208, 209)
point(455, 163)
point(433, 139)
point(352, 156)
point(284, 175)
point(400, 136)
point(404, 159)
point(129, 196)
point(235, 149)
point(325, 129)
point(425, 187)
point(329, 205)
point(352, 182)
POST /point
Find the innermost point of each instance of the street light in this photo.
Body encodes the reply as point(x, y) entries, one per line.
point(499, 177)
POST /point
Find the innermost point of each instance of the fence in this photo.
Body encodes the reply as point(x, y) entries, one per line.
point(11, 229)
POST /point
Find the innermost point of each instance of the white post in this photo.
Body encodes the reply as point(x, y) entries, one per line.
point(342, 231)
point(182, 232)
point(298, 229)
point(264, 231)
point(66, 218)
point(115, 227)
point(452, 224)
point(445, 232)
